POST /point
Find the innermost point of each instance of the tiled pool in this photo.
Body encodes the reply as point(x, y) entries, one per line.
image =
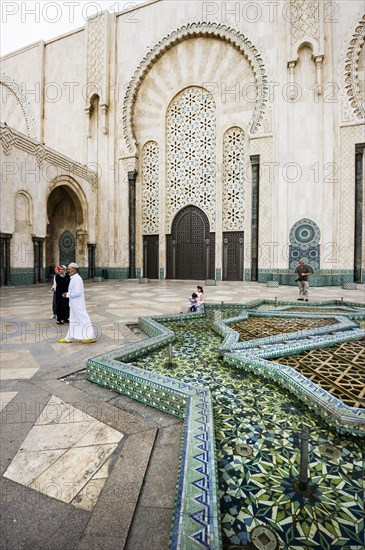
point(242, 428)
point(258, 489)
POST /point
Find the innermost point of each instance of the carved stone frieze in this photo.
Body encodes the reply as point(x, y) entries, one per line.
point(11, 138)
point(219, 31)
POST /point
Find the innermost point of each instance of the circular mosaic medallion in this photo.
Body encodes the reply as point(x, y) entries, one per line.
point(243, 449)
point(304, 233)
point(329, 451)
point(263, 539)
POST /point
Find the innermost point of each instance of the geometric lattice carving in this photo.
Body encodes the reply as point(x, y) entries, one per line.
point(304, 18)
point(304, 243)
point(354, 58)
point(340, 370)
point(95, 52)
point(238, 40)
point(258, 327)
point(233, 179)
point(150, 188)
point(191, 153)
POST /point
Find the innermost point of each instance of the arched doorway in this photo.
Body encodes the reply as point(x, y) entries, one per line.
point(191, 246)
point(66, 236)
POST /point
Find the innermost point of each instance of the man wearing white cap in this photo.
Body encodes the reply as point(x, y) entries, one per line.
point(80, 327)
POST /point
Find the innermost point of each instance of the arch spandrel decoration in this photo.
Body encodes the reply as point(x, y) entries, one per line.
point(304, 240)
point(15, 89)
point(233, 179)
point(191, 153)
point(150, 188)
point(214, 30)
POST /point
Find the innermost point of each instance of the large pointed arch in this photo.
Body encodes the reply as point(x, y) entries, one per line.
point(222, 32)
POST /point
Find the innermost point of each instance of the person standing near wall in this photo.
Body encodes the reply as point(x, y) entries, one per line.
point(303, 271)
point(80, 327)
point(53, 289)
point(62, 282)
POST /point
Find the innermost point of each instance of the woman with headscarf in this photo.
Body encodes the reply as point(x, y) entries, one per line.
point(62, 282)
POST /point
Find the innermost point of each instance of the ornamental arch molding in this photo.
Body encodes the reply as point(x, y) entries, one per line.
point(77, 195)
point(350, 66)
point(15, 90)
point(193, 30)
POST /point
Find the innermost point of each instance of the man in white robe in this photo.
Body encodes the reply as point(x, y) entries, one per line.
point(80, 327)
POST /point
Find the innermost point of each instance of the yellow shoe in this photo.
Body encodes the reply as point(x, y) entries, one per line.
point(64, 341)
point(91, 341)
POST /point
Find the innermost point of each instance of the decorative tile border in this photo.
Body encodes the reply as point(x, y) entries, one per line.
point(196, 521)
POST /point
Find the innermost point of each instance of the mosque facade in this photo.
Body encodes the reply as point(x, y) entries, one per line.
point(188, 140)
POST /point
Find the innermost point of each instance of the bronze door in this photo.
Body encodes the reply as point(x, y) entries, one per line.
point(150, 256)
point(233, 256)
point(67, 248)
point(190, 247)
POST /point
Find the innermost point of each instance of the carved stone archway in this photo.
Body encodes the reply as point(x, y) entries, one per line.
point(66, 212)
point(222, 32)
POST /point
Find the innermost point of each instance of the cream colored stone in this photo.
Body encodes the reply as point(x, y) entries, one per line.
point(28, 465)
point(67, 477)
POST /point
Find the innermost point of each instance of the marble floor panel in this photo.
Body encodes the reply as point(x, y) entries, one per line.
point(63, 451)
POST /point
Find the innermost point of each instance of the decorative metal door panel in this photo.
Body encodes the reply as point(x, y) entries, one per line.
point(150, 256)
point(233, 256)
point(67, 248)
point(190, 247)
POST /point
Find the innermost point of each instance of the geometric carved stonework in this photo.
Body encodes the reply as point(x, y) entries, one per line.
point(304, 18)
point(259, 327)
point(150, 188)
point(191, 154)
point(43, 154)
point(340, 370)
point(233, 180)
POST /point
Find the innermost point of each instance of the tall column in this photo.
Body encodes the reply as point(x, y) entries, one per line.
point(255, 164)
point(132, 176)
point(359, 198)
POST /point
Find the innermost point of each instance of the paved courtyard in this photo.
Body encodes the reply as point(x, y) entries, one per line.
point(83, 467)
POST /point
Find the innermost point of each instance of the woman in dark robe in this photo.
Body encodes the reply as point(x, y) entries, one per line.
point(62, 282)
